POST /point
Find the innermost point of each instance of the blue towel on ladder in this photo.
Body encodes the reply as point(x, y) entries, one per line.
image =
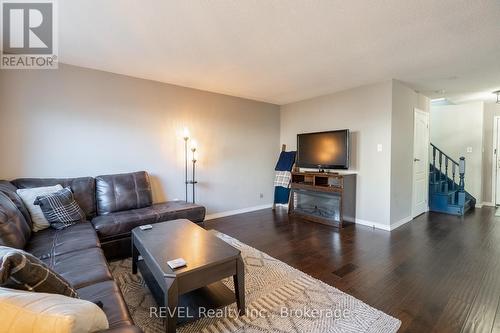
point(283, 169)
point(281, 195)
point(286, 161)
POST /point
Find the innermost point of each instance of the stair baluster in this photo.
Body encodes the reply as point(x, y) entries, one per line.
point(434, 164)
point(453, 171)
point(446, 159)
point(440, 171)
point(453, 184)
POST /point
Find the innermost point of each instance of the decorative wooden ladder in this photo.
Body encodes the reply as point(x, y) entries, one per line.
point(445, 194)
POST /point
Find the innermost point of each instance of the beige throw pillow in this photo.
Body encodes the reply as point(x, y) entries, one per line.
point(29, 195)
point(30, 312)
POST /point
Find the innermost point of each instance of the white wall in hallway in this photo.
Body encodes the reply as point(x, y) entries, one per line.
point(404, 102)
point(491, 110)
point(457, 128)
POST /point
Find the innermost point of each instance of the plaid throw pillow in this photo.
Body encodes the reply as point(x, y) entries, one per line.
point(60, 208)
point(21, 270)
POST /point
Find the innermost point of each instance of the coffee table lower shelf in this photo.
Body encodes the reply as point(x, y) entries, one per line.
point(194, 304)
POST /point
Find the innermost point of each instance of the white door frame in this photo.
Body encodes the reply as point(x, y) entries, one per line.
point(427, 114)
point(494, 166)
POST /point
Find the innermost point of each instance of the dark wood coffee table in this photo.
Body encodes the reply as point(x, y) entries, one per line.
point(209, 259)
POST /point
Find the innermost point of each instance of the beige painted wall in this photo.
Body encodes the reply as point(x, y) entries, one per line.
point(490, 111)
point(78, 122)
point(366, 111)
point(75, 121)
point(453, 129)
point(404, 102)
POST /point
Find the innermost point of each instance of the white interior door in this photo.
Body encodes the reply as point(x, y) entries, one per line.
point(420, 163)
point(497, 160)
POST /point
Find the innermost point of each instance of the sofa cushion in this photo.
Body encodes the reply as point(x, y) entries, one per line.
point(51, 242)
point(14, 230)
point(22, 270)
point(120, 224)
point(10, 190)
point(81, 268)
point(121, 192)
point(83, 189)
point(113, 304)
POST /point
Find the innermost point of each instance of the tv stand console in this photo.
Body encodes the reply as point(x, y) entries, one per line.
point(323, 197)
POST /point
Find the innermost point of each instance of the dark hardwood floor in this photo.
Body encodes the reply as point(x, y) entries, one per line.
point(438, 273)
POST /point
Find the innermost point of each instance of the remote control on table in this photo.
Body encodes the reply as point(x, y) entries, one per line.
point(176, 263)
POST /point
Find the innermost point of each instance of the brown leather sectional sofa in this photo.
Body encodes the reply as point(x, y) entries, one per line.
point(114, 205)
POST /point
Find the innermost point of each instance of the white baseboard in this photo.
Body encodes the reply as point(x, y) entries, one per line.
point(401, 222)
point(488, 204)
point(373, 224)
point(236, 211)
point(384, 226)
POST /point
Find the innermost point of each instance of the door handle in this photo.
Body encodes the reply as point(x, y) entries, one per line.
point(416, 160)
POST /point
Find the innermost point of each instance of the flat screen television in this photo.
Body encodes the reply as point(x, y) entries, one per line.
point(323, 150)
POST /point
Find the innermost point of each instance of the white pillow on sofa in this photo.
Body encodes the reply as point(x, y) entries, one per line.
point(29, 195)
point(30, 312)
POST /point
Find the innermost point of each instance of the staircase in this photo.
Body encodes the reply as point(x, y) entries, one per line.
point(445, 194)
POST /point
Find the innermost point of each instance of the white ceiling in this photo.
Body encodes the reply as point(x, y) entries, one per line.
point(284, 51)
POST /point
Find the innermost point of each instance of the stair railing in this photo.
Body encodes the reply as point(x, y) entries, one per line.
point(443, 176)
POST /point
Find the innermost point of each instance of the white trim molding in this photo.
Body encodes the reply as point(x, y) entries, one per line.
point(488, 204)
point(372, 224)
point(494, 161)
point(385, 227)
point(427, 142)
point(401, 222)
point(236, 211)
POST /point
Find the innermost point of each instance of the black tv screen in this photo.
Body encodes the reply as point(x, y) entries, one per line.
point(323, 150)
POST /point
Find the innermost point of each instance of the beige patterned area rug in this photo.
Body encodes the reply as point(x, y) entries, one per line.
point(279, 299)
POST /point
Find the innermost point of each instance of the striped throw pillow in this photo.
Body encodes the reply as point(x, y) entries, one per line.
point(60, 208)
point(24, 271)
